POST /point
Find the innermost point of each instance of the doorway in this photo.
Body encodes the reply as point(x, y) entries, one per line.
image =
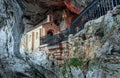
point(50, 33)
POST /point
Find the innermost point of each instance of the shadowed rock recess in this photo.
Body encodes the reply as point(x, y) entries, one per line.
point(95, 51)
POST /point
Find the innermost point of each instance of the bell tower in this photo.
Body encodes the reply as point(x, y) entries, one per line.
point(64, 21)
point(64, 15)
point(49, 18)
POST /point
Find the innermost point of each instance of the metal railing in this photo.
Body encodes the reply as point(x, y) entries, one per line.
point(94, 10)
point(55, 39)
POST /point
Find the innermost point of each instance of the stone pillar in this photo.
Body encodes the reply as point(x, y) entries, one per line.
point(33, 35)
point(26, 42)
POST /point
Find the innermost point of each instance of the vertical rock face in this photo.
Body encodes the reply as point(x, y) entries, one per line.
point(11, 29)
point(102, 36)
point(13, 13)
point(99, 48)
point(76, 6)
point(11, 25)
point(13, 64)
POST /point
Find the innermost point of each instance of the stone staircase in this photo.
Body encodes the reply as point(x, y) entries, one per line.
point(58, 55)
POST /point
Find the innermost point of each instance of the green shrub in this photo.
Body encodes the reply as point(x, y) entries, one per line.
point(64, 70)
point(114, 26)
point(75, 62)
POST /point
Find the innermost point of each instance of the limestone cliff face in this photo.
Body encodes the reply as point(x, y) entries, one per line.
point(10, 33)
point(11, 26)
point(97, 47)
point(14, 64)
point(101, 37)
point(76, 6)
point(36, 11)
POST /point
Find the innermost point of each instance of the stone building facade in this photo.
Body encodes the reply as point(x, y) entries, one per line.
point(33, 35)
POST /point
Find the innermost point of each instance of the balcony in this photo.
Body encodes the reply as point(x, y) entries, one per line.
point(55, 39)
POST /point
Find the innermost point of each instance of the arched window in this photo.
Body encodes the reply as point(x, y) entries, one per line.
point(50, 33)
point(49, 36)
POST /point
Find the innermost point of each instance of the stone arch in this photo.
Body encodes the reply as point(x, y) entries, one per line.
point(50, 32)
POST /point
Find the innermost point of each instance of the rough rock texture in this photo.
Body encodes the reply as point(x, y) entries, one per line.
point(11, 28)
point(13, 63)
point(76, 6)
point(36, 11)
point(15, 15)
point(77, 72)
point(100, 41)
point(98, 45)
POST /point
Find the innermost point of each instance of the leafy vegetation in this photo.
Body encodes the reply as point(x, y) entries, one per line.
point(71, 62)
point(114, 26)
point(76, 63)
point(64, 71)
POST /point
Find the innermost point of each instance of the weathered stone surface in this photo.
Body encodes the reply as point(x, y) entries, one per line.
point(76, 6)
point(36, 10)
point(101, 36)
point(101, 46)
point(116, 10)
point(77, 72)
point(13, 63)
